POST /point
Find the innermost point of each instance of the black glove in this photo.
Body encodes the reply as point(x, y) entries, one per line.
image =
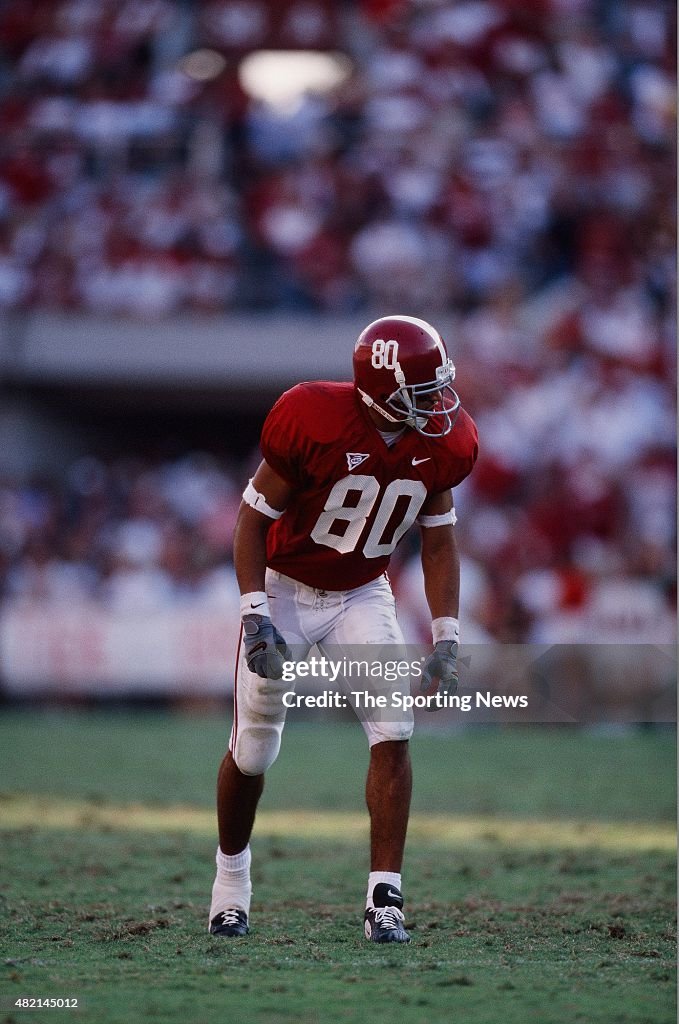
point(442, 665)
point(265, 648)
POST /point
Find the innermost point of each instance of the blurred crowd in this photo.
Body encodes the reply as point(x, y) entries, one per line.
point(504, 169)
point(474, 143)
point(135, 535)
point(566, 542)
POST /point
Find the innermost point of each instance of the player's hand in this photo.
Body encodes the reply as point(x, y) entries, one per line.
point(441, 666)
point(265, 648)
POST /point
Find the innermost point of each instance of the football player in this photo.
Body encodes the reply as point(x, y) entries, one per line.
point(347, 470)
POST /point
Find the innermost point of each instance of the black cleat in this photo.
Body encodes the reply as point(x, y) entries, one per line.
point(230, 923)
point(384, 920)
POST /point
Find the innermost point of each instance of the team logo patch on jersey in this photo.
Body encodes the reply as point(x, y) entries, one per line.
point(355, 459)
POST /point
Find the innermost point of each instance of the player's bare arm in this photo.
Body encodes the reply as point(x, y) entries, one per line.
point(252, 527)
point(440, 559)
point(441, 571)
point(264, 501)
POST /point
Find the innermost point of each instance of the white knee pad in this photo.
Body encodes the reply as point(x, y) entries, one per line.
point(258, 723)
point(256, 747)
point(263, 698)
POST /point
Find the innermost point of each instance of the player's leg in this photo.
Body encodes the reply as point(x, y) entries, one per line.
point(259, 717)
point(254, 745)
point(388, 791)
point(237, 798)
point(369, 621)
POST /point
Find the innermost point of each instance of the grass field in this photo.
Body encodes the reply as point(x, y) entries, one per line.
point(539, 878)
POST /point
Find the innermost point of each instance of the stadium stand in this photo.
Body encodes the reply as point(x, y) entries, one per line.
point(503, 168)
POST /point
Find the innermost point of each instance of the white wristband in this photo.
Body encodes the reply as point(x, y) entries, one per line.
point(445, 628)
point(255, 603)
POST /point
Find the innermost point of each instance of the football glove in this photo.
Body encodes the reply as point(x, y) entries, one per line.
point(441, 665)
point(265, 648)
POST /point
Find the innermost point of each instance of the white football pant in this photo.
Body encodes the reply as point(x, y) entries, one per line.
point(337, 622)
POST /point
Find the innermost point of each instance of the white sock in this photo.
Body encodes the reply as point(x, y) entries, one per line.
point(375, 877)
point(234, 863)
point(232, 886)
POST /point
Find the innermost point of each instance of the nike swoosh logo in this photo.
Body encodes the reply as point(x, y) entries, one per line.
point(394, 895)
point(416, 462)
point(260, 605)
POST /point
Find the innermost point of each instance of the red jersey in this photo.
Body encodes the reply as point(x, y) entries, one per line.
point(354, 497)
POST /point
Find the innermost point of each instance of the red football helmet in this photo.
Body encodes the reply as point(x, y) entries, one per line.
point(402, 369)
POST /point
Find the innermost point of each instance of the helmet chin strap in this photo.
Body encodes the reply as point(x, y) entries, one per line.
point(412, 418)
point(372, 404)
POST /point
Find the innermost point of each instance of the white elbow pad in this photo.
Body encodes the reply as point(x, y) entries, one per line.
point(444, 519)
point(257, 501)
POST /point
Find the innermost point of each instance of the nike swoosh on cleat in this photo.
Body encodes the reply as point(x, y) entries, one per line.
point(416, 462)
point(396, 895)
